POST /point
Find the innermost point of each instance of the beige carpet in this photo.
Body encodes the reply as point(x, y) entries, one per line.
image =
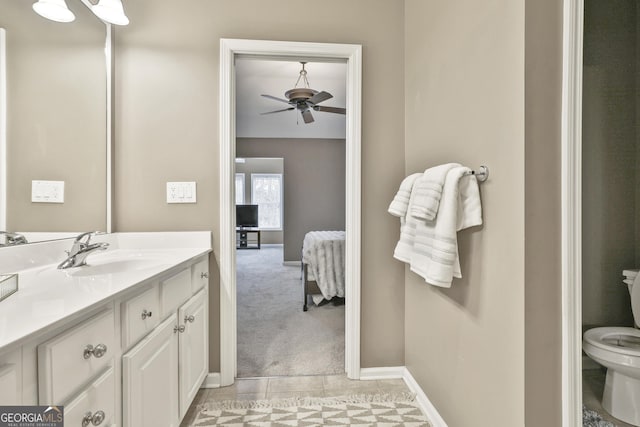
point(275, 337)
point(361, 410)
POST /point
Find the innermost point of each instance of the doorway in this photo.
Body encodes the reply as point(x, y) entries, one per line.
point(352, 54)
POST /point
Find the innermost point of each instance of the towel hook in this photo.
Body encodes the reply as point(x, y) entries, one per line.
point(482, 174)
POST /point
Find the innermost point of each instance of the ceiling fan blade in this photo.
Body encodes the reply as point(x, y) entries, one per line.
point(278, 111)
point(319, 97)
point(307, 116)
point(326, 109)
point(276, 98)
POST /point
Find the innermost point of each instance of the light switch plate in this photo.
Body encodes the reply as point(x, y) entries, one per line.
point(181, 192)
point(47, 191)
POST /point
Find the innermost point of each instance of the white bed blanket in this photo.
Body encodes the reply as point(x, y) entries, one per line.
point(323, 252)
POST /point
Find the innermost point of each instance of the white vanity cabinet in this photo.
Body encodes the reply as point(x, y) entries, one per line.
point(134, 359)
point(162, 373)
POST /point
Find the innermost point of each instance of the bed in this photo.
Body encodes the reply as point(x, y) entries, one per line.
point(323, 264)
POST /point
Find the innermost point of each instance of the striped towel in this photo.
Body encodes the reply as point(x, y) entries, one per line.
point(400, 203)
point(428, 191)
point(435, 249)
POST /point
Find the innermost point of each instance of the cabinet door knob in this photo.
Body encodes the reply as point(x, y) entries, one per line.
point(95, 419)
point(97, 351)
point(189, 319)
point(180, 329)
point(146, 314)
point(204, 275)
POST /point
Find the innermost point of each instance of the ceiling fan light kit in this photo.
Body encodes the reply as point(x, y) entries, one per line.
point(305, 99)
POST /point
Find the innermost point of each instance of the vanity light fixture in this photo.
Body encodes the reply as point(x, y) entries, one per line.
point(55, 10)
point(110, 11)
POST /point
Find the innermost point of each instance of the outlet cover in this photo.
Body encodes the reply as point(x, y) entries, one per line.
point(181, 192)
point(47, 191)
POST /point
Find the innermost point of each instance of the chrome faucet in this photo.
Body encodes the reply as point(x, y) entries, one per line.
point(81, 249)
point(11, 239)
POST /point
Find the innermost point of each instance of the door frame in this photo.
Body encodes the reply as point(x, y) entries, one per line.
point(352, 55)
point(571, 172)
point(3, 130)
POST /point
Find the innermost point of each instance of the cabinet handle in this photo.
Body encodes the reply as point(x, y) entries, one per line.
point(204, 275)
point(180, 329)
point(189, 319)
point(146, 314)
point(97, 351)
point(95, 419)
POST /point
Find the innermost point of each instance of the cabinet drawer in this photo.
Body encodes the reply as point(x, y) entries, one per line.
point(199, 275)
point(174, 291)
point(66, 362)
point(140, 315)
point(96, 399)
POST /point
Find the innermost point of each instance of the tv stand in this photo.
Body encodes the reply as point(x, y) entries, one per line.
point(247, 238)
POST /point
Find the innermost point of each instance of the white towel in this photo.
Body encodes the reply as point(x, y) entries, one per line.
point(404, 247)
point(469, 204)
point(400, 202)
point(428, 191)
point(435, 247)
point(628, 281)
point(630, 273)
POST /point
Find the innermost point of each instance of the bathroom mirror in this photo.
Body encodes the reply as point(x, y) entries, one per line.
point(56, 119)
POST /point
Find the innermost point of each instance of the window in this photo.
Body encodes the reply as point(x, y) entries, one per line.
point(239, 189)
point(266, 192)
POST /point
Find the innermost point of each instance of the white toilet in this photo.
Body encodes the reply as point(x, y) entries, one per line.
point(618, 349)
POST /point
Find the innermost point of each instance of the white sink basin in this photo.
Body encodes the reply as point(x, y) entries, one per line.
point(104, 267)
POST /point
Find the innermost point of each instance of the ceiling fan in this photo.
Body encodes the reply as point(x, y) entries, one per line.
point(305, 99)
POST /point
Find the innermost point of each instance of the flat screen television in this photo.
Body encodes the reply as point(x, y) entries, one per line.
point(246, 216)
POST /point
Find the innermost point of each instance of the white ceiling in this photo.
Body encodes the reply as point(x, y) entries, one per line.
point(274, 77)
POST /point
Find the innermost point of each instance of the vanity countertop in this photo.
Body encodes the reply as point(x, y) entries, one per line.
point(48, 296)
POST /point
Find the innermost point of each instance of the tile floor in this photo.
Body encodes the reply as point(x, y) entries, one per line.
point(287, 387)
point(592, 387)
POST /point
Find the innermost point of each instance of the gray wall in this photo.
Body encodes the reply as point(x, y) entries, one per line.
point(261, 165)
point(166, 113)
point(56, 111)
point(314, 184)
point(543, 296)
point(464, 102)
point(609, 160)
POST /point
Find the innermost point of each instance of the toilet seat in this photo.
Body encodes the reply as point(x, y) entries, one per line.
point(616, 339)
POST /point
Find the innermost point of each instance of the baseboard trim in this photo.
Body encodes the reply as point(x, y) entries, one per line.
point(423, 401)
point(212, 380)
point(293, 263)
point(395, 372)
point(385, 373)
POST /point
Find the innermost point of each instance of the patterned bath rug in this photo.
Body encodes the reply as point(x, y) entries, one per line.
point(593, 419)
point(389, 410)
